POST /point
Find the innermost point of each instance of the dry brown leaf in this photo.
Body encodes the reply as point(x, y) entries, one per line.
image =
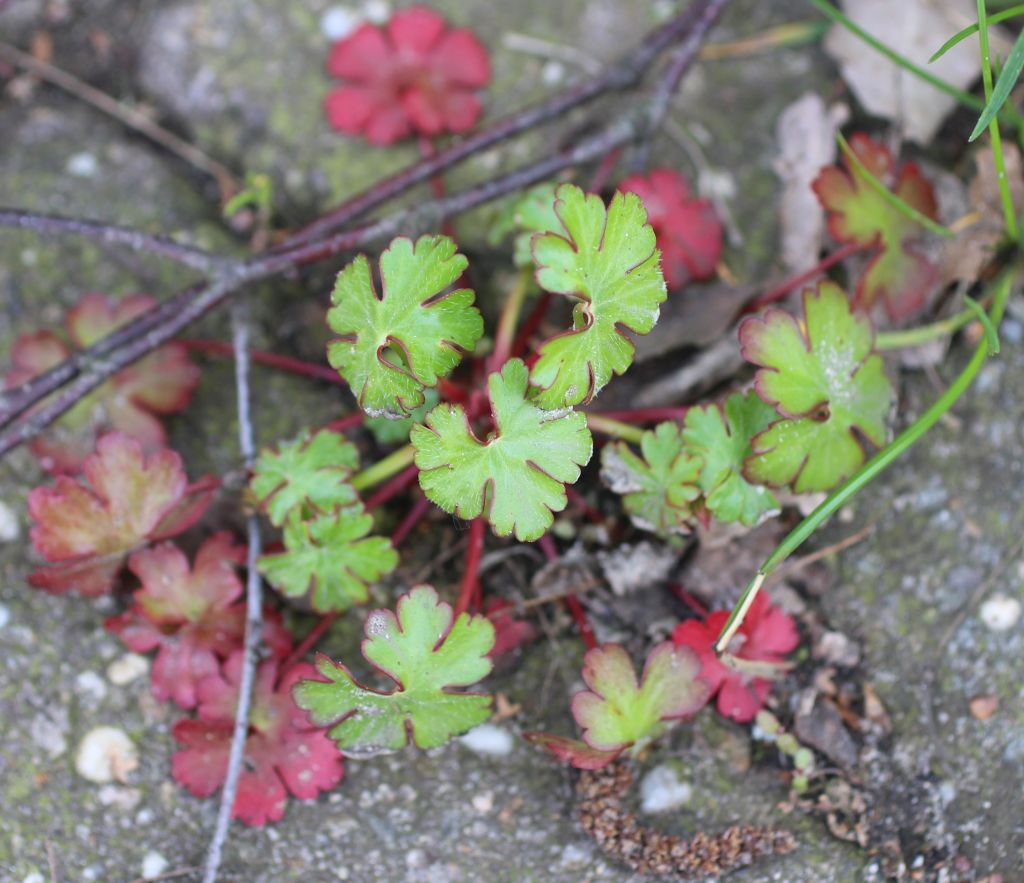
point(806, 133)
point(915, 29)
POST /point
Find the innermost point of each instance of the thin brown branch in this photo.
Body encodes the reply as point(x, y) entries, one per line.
point(111, 234)
point(128, 116)
point(253, 604)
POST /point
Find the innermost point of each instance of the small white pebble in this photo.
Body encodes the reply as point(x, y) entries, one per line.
point(34, 877)
point(5, 616)
point(83, 165)
point(127, 668)
point(483, 802)
point(1000, 612)
point(338, 22)
point(661, 790)
point(49, 734)
point(488, 739)
point(118, 797)
point(106, 754)
point(29, 257)
point(552, 73)
point(9, 527)
point(572, 856)
point(90, 685)
point(153, 864)
point(145, 816)
point(377, 11)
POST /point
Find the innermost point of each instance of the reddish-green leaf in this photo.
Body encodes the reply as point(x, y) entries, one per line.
point(898, 275)
point(828, 384)
point(86, 529)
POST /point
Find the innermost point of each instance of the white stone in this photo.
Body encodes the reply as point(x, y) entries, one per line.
point(10, 529)
point(106, 754)
point(662, 790)
point(153, 864)
point(377, 11)
point(83, 165)
point(483, 802)
point(127, 668)
point(488, 739)
point(338, 22)
point(34, 877)
point(1000, 612)
point(5, 616)
point(91, 685)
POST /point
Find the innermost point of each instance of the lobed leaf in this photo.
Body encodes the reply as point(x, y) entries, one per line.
point(311, 471)
point(331, 558)
point(395, 344)
point(426, 655)
point(517, 476)
point(86, 530)
point(659, 488)
point(721, 436)
point(608, 260)
point(617, 712)
point(828, 384)
point(283, 753)
point(898, 275)
point(527, 214)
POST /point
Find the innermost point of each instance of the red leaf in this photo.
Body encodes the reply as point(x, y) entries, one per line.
point(509, 633)
point(898, 275)
point(283, 754)
point(688, 231)
point(88, 528)
point(416, 75)
point(160, 383)
point(767, 635)
point(188, 616)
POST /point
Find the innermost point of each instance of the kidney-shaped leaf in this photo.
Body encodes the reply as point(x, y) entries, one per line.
point(608, 259)
point(395, 344)
point(828, 384)
point(517, 477)
point(426, 655)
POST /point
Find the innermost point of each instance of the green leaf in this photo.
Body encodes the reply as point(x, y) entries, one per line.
point(394, 345)
point(517, 476)
point(1008, 77)
point(528, 214)
point(721, 437)
point(659, 488)
point(396, 432)
point(426, 656)
point(617, 712)
point(827, 383)
point(330, 557)
point(310, 470)
point(608, 260)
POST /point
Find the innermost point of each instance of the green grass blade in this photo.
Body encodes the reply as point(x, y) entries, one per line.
point(1007, 80)
point(1012, 12)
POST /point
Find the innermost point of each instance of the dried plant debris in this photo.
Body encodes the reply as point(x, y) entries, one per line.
point(621, 835)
